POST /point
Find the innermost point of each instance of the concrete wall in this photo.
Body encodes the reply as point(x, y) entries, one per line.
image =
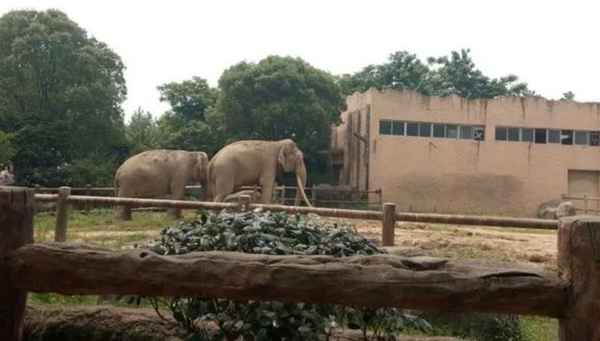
point(427, 174)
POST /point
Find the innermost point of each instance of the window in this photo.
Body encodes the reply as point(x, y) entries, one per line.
point(385, 127)
point(581, 138)
point(540, 135)
point(595, 138)
point(527, 135)
point(566, 136)
point(439, 130)
point(553, 136)
point(451, 131)
point(397, 128)
point(425, 129)
point(412, 129)
point(466, 132)
point(479, 133)
point(501, 134)
point(513, 134)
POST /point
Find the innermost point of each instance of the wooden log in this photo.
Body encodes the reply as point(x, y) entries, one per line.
point(99, 323)
point(388, 224)
point(138, 202)
point(16, 230)
point(579, 265)
point(62, 214)
point(478, 220)
point(374, 281)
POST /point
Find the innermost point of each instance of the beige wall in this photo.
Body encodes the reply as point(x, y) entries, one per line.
point(464, 176)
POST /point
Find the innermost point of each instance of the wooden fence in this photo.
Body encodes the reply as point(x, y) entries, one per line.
point(318, 195)
point(572, 294)
point(388, 215)
point(591, 204)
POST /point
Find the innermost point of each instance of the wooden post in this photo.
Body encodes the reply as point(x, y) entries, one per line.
point(244, 203)
point(579, 265)
point(16, 230)
point(388, 224)
point(88, 192)
point(62, 217)
point(282, 195)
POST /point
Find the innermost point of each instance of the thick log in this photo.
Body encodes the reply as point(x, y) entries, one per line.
point(388, 224)
point(478, 220)
point(375, 281)
point(579, 265)
point(16, 230)
point(62, 214)
point(138, 202)
point(99, 323)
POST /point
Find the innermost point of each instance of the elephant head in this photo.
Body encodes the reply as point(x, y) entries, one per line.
point(291, 159)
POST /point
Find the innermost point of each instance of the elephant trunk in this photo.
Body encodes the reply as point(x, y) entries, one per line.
point(301, 181)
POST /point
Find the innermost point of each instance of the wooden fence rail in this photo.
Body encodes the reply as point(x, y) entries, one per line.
point(572, 295)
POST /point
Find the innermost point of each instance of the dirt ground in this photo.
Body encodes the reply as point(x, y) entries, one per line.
point(535, 247)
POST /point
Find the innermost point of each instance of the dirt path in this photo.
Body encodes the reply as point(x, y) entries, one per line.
point(491, 244)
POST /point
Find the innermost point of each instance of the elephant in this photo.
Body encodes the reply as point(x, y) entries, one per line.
point(255, 162)
point(160, 174)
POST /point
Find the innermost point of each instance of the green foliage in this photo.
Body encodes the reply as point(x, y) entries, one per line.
point(60, 94)
point(568, 96)
point(476, 326)
point(192, 123)
point(274, 234)
point(280, 97)
point(142, 132)
point(95, 170)
point(7, 150)
point(442, 76)
point(190, 99)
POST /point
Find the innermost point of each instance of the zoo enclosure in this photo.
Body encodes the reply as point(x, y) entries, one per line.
point(320, 195)
point(374, 281)
point(586, 201)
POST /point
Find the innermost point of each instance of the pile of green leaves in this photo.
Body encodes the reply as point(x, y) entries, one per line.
point(274, 234)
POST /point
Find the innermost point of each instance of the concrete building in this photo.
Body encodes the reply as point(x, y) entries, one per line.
point(450, 155)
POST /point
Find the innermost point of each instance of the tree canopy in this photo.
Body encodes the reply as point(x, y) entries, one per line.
point(280, 97)
point(455, 74)
point(60, 94)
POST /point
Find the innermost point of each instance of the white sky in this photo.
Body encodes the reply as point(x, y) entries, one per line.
point(552, 45)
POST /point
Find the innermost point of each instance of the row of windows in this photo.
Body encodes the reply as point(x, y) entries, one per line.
point(428, 129)
point(540, 135)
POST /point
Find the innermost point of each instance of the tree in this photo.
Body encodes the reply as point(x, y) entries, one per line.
point(60, 94)
point(142, 132)
point(192, 123)
point(277, 98)
point(442, 76)
point(7, 150)
point(190, 99)
point(568, 96)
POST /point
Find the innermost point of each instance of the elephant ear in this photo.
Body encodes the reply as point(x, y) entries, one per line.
point(287, 158)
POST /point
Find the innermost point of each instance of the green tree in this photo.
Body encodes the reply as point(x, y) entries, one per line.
point(60, 94)
point(568, 96)
point(455, 74)
point(190, 99)
point(280, 97)
point(142, 132)
point(7, 150)
point(192, 123)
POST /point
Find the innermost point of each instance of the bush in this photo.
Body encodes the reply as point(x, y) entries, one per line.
point(476, 326)
point(274, 234)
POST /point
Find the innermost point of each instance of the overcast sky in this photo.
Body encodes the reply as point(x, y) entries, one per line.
point(552, 45)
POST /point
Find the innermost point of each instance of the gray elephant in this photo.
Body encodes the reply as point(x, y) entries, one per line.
point(161, 174)
point(255, 162)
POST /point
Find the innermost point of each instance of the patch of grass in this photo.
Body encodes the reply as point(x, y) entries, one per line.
point(65, 300)
point(536, 328)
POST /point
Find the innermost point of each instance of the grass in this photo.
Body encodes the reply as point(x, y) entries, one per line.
point(99, 228)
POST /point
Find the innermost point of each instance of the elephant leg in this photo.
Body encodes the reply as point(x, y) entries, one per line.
point(122, 212)
point(224, 187)
point(267, 189)
point(177, 193)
